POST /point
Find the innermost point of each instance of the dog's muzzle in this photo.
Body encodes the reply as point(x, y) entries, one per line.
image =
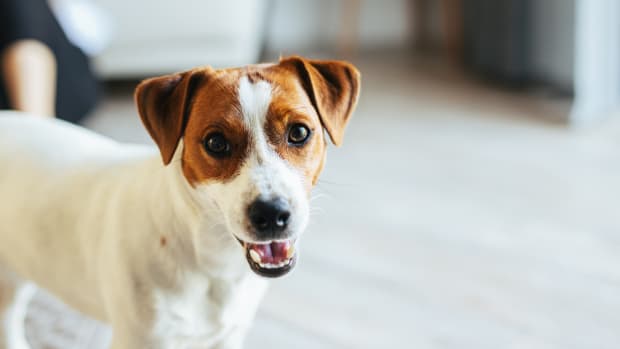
point(274, 255)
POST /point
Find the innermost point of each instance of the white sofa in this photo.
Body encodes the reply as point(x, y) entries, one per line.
point(153, 37)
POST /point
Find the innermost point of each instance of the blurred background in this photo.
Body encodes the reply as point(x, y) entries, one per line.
point(475, 202)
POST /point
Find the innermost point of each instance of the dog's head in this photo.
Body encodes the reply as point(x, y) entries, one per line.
point(253, 143)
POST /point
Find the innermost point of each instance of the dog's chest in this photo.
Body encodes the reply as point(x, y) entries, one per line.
point(205, 311)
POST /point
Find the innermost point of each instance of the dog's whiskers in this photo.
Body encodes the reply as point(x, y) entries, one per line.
point(323, 181)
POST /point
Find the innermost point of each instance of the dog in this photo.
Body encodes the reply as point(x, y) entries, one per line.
point(171, 245)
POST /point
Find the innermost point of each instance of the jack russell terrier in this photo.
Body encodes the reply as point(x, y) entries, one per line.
point(167, 249)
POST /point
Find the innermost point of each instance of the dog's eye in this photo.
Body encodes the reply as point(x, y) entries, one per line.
point(298, 134)
point(217, 145)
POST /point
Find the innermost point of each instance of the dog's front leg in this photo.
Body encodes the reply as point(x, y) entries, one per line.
point(234, 340)
point(124, 338)
point(121, 342)
point(15, 295)
point(130, 329)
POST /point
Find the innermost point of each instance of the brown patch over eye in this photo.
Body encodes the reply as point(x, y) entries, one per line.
point(215, 138)
point(291, 106)
point(297, 138)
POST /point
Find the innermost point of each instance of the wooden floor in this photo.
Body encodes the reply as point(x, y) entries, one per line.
point(454, 216)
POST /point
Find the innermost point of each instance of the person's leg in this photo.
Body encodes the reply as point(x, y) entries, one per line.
point(29, 72)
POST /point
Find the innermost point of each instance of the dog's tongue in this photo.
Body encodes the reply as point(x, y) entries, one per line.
point(274, 252)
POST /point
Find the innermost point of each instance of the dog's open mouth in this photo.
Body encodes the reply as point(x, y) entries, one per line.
point(271, 259)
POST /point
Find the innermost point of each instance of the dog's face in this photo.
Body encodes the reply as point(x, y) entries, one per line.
point(253, 143)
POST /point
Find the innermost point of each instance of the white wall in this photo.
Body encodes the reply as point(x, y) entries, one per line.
point(157, 37)
point(302, 25)
point(597, 61)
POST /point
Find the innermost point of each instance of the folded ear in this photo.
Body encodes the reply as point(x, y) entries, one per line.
point(163, 104)
point(333, 88)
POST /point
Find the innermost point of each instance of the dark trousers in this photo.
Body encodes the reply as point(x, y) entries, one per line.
point(77, 88)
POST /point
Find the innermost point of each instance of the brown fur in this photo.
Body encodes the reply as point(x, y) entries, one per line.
point(163, 104)
point(216, 109)
point(290, 105)
point(319, 94)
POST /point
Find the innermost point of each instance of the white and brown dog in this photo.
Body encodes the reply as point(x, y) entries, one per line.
point(168, 252)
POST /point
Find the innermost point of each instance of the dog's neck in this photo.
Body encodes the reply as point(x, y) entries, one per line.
point(191, 229)
point(193, 266)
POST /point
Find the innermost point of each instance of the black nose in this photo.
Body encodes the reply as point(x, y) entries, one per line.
point(269, 216)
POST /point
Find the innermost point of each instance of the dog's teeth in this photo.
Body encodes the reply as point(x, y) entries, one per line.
point(290, 252)
point(275, 266)
point(255, 256)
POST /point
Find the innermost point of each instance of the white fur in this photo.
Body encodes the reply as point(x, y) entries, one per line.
point(189, 322)
point(15, 315)
point(254, 99)
point(83, 216)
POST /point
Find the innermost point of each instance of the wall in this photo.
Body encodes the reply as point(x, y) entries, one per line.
point(597, 61)
point(302, 25)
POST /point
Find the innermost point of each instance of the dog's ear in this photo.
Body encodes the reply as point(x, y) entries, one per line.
point(164, 103)
point(333, 88)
